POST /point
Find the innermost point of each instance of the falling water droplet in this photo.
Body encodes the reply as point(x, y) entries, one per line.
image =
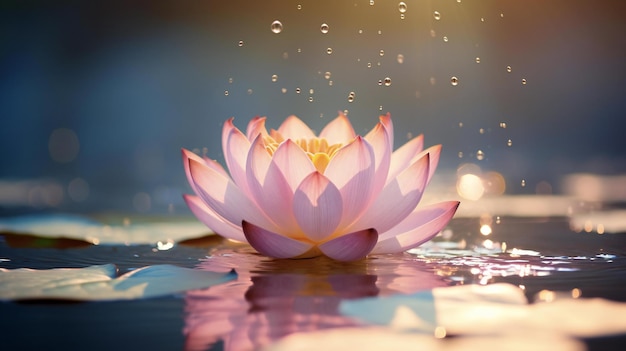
point(250, 91)
point(371, 2)
point(524, 81)
point(433, 33)
point(460, 154)
point(380, 32)
point(274, 77)
point(297, 90)
point(240, 43)
point(380, 108)
point(509, 142)
point(437, 15)
point(369, 65)
point(283, 90)
point(454, 81)
point(503, 125)
point(400, 58)
point(360, 31)
point(329, 51)
point(277, 27)
point(445, 39)
point(327, 75)
point(460, 124)
point(402, 7)
point(523, 184)
point(387, 81)
point(310, 99)
point(299, 7)
point(481, 131)
point(508, 69)
point(498, 220)
point(230, 80)
point(299, 50)
point(330, 83)
point(402, 16)
point(382, 53)
point(478, 60)
point(482, 19)
point(311, 91)
point(225, 92)
point(480, 155)
point(324, 28)
point(351, 96)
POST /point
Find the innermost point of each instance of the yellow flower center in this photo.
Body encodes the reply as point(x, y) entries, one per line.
point(318, 149)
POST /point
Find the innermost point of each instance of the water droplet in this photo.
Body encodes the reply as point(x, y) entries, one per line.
point(400, 58)
point(299, 50)
point(482, 19)
point(445, 39)
point(498, 220)
point(460, 124)
point(478, 60)
point(277, 27)
point(324, 28)
point(387, 81)
point(481, 131)
point(230, 80)
point(371, 2)
point(437, 15)
point(523, 183)
point(524, 81)
point(311, 91)
point(298, 90)
point(381, 52)
point(503, 125)
point(274, 77)
point(327, 75)
point(369, 65)
point(460, 154)
point(240, 43)
point(329, 51)
point(380, 108)
point(360, 31)
point(285, 55)
point(310, 99)
point(351, 96)
point(454, 81)
point(380, 82)
point(250, 91)
point(283, 90)
point(299, 7)
point(509, 142)
point(501, 15)
point(401, 16)
point(330, 83)
point(480, 155)
point(380, 32)
point(508, 69)
point(402, 7)
point(225, 92)
point(409, 135)
point(433, 33)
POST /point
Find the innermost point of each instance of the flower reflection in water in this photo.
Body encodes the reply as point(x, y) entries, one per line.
point(274, 298)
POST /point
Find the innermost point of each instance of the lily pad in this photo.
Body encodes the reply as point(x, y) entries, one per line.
point(99, 283)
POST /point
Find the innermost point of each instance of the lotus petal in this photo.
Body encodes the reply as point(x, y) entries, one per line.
point(294, 128)
point(212, 220)
point(398, 199)
point(425, 222)
point(352, 171)
point(235, 154)
point(401, 158)
point(317, 206)
point(338, 131)
point(352, 246)
point(256, 126)
point(272, 244)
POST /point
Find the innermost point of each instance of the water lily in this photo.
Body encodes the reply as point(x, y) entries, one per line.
point(292, 194)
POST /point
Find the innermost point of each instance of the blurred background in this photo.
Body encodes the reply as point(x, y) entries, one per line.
point(98, 97)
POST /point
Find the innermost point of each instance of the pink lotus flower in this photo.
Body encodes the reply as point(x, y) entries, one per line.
point(292, 194)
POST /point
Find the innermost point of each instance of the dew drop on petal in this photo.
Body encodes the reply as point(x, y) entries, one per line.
point(387, 81)
point(274, 77)
point(437, 15)
point(329, 51)
point(324, 28)
point(327, 75)
point(477, 59)
point(400, 58)
point(508, 69)
point(402, 7)
point(480, 155)
point(277, 27)
point(454, 81)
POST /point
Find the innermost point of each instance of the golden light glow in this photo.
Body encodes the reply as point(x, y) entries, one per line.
point(470, 187)
point(485, 229)
point(440, 332)
point(318, 149)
